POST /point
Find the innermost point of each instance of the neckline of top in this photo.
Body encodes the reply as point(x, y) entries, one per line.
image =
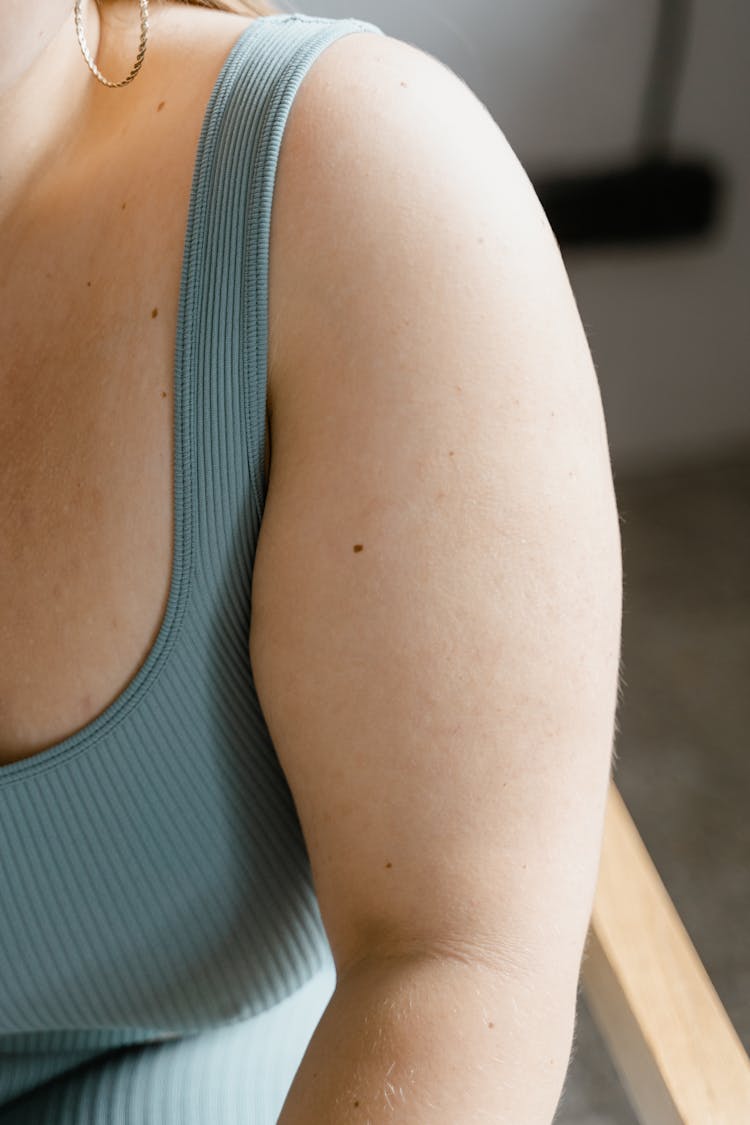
point(68, 748)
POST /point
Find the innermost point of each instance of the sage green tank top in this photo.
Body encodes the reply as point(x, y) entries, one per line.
point(162, 956)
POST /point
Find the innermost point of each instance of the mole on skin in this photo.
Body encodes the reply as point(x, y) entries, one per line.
point(358, 547)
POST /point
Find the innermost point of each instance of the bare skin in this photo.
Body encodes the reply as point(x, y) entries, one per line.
point(91, 243)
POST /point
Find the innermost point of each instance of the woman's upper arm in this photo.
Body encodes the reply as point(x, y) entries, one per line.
point(436, 607)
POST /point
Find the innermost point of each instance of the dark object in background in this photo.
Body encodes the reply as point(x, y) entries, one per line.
point(656, 200)
point(659, 197)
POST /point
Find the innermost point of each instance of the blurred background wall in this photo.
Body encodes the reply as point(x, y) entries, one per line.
point(668, 326)
point(576, 87)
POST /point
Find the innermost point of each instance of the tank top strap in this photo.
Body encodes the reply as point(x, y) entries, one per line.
point(240, 146)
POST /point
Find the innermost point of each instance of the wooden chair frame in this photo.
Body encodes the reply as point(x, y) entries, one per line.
point(675, 1050)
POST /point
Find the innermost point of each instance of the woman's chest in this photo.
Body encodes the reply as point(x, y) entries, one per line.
point(89, 302)
point(88, 327)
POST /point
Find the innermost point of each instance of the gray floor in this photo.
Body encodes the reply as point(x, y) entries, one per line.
point(683, 766)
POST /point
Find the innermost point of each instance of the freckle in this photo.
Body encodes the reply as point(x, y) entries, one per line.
point(389, 865)
point(451, 453)
point(358, 547)
point(405, 85)
point(458, 388)
point(163, 394)
point(124, 206)
point(154, 312)
point(160, 106)
point(356, 1103)
point(490, 1025)
point(89, 284)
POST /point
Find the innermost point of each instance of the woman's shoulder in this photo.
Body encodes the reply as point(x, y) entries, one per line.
point(382, 142)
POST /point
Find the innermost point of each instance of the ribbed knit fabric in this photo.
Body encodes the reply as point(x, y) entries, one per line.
point(154, 881)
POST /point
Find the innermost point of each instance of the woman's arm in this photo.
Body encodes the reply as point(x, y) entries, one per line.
point(435, 1041)
point(436, 597)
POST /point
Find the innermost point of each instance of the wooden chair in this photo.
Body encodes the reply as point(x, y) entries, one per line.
point(675, 1050)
